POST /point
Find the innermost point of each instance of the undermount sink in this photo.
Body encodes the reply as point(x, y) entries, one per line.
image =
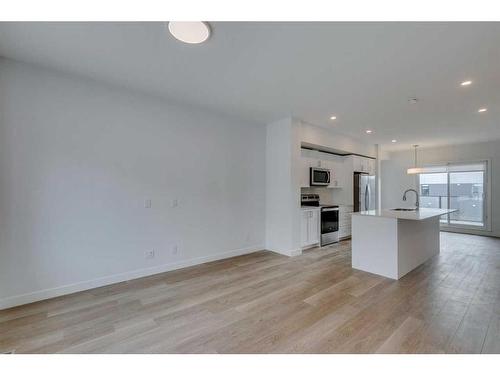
point(403, 209)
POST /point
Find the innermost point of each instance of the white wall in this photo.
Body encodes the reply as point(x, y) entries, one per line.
point(79, 158)
point(283, 187)
point(395, 180)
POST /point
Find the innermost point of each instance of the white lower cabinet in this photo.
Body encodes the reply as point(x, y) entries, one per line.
point(345, 221)
point(309, 227)
point(304, 227)
point(313, 228)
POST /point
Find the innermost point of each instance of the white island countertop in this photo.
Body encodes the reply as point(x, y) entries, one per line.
point(420, 214)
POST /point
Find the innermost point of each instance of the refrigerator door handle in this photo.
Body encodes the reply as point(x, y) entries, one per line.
point(367, 198)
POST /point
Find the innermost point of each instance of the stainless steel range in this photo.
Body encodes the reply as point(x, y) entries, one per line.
point(329, 218)
point(329, 225)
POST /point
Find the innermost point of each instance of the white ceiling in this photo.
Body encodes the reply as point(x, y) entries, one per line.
point(363, 73)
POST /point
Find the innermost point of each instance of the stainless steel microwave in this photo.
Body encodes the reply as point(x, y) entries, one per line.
point(319, 177)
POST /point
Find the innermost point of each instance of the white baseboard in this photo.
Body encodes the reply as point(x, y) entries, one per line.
point(295, 253)
point(291, 253)
point(477, 232)
point(40, 295)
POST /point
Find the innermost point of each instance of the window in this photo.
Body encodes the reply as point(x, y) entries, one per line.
point(457, 186)
point(424, 190)
point(434, 191)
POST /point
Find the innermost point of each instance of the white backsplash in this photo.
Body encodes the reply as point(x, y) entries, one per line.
point(326, 195)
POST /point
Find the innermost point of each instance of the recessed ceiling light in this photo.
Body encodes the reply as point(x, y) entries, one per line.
point(465, 83)
point(482, 109)
point(189, 32)
point(333, 118)
point(394, 141)
point(368, 131)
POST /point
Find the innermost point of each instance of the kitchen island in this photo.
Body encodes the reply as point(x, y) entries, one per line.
point(391, 243)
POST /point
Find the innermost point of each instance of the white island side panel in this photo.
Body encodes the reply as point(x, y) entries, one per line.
point(417, 243)
point(375, 245)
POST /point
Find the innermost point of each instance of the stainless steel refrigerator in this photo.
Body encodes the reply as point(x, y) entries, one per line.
point(364, 192)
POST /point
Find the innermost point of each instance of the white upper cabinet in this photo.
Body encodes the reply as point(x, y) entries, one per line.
point(372, 166)
point(341, 167)
point(316, 158)
point(357, 164)
point(362, 164)
point(335, 165)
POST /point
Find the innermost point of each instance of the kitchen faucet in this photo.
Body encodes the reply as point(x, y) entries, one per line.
point(417, 202)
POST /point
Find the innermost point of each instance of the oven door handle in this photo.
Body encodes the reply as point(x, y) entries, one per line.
point(329, 209)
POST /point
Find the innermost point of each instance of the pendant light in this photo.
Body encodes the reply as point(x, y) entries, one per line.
point(415, 169)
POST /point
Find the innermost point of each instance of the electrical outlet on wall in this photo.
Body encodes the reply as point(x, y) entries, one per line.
point(175, 202)
point(147, 203)
point(149, 254)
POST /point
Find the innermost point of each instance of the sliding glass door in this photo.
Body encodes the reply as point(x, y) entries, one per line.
point(460, 186)
point(434, 191)
point(467, 195)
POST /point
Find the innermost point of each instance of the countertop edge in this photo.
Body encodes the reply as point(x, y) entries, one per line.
point(403, 215)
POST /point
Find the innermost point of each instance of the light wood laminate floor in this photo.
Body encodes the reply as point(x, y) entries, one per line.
point(267, 303)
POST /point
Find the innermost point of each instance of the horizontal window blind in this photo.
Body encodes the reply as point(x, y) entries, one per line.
point(455, 167)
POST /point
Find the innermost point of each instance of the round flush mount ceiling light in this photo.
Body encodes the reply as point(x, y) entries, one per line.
point(189, 32)
point(368, 131)
point(482, 110)
point(333, 118)
point(466, 83)
point(394, 141)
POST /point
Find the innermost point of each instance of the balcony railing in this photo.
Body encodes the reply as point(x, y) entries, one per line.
point(470, 208)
